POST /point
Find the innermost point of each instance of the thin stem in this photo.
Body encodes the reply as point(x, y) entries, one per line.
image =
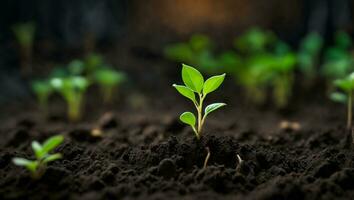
point(206, 158)
point(200, 113)
point(349, 112)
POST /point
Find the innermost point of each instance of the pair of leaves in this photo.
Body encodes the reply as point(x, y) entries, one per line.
point(41, 153)
point(346, 84)
point(194, 82)
point(190, 119)
point(43, 150)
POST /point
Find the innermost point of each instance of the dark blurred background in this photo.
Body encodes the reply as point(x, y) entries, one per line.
point(66, 28)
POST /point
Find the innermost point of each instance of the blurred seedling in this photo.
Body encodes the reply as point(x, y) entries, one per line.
point(72, 89)
point(43, 89)
point(76, 67)
point(24, 34)
point(42, 156)
point(198, 50)
point(308, 55)
point(346, 85)
point(255, 40)
point(194, 84)
point(338, 61)
point(108, 80)
point(93, 62)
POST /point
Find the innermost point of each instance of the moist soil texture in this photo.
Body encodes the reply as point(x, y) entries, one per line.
point(138, 149)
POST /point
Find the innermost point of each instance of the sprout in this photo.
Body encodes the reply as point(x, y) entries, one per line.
point(254, 40)
point(24, 34)
point(93, 62)
point(308, 56)
point(42, 153)
point(197, 51)
point(72, 89)
point(76, 67)
point(43, 90)
point(338, 61)
point(347, 86)
point(194, 83)
point(108, 80)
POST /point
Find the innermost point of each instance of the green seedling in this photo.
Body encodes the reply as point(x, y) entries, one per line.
point(346, 85)
point(197, 51)
point(254, 40)
point(24, 34)
point(308, 55)
point(72, 89)
point(76, 67)
point(42, 154)
point(93, 62)
point(194, 84)
point(338, 61)
point(108, 80)
point(43, 90)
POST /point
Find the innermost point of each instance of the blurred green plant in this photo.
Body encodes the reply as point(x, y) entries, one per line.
point(197, 51)
point(109, 80)
point(346, 85)
point(24, 34)
point(72, 89)
point(194, 83)
point(254, 40)
point(42, 154)
point(338, 60)
point(43, 89)
point(309, 55)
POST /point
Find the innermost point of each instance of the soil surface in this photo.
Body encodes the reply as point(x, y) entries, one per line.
point(144, 152)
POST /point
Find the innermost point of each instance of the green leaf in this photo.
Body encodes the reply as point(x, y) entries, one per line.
point(38, 149)
point(185, 91)
point(29, 164)
point(338, 97)
point(188, 118)
point(212, 107)
point(52, 142)
point(53, 157)
point(213, 83)
point(192, 78)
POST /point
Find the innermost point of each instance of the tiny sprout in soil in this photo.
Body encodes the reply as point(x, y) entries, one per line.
point(194, 83)
point(42, 153)
point(72, 89)
point(108, 80)
point(347, 86)
point(43, 90)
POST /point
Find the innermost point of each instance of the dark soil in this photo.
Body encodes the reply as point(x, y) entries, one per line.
point(146, 153)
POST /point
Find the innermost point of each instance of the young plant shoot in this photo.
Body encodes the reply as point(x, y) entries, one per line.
point(347, 86)
point(72, 89)
point(24, 34)
point(108, 80)
point(43, 90)
point(42, 154)
point(194, 84)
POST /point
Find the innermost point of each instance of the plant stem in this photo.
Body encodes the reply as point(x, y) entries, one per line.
point(349, 112)
point(74, 106)
point(200, 113)
point(206, 158)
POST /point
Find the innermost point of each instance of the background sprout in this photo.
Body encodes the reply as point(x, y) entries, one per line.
point(194, 83)
point(338, 61)
point(197, 51)
point(347, 86)
point(72, 89)
point(24, 34)
point(43, 89)
point(254, 40)
point(42, 154)
point(92, 62)
point(108, 80)
point(76, 67)
point(308, 55)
